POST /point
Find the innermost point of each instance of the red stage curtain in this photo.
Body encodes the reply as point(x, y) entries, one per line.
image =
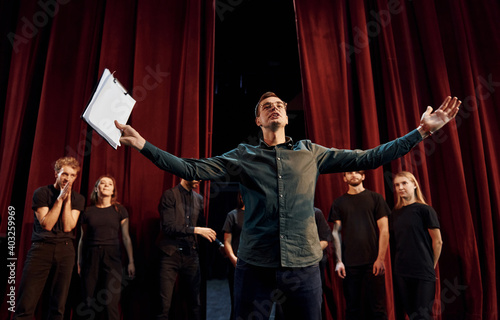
point(369, 69)
point(162, 51)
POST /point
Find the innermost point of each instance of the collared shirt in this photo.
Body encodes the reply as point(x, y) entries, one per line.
point(187, 203)
point(277, 184)
point(180, 212)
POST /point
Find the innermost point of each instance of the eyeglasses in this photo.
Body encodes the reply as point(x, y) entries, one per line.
point(268, 105)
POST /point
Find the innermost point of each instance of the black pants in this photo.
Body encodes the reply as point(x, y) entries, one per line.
point(416, 296)
point(101, 275)
point(296, 292)
point(187, 267)
point(230, 281)
point(51, 264)
point(362, 288)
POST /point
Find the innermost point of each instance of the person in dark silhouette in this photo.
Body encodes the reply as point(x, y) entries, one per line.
point(232, 231)
point(182, 219)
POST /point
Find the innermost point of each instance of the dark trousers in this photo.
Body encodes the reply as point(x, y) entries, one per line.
point(364, 293)
point(187, 268)
point(230, 281)
point(296, 290)
point(101, 274)
point(328, 300)
point(46, 264)
point(416, 296)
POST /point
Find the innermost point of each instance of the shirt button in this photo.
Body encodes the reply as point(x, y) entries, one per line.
point(279, 158)
point(282, 236)
point(281, 196)
point(279, 177)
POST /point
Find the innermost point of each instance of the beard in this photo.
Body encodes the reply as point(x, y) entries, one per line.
point(355, 183)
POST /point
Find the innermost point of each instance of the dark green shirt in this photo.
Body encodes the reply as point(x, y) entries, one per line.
point(277, 185)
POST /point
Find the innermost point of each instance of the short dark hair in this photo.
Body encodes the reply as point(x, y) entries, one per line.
point(263, 97)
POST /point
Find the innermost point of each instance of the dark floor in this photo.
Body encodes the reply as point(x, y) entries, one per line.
point(218, 300)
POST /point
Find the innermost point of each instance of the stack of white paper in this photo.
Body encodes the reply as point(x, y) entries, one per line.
point(110, 102)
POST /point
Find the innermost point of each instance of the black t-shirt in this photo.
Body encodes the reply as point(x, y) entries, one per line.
point(324, 232)
point(414, 255)
point(102, 225)
point(358, 214)
point(233, 225)
point(46, 197)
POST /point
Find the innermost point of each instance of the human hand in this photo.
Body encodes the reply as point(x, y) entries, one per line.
point(378, 268)
point(433, 121)
point(65, 191)
point(233, 260)
point(340, 269)
point(207, 233)
point(130, 137)
point(131, 270)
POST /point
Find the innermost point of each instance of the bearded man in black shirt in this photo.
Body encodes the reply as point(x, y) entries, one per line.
point(362, 214)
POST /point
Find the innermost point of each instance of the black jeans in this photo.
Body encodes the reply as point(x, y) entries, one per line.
point(362, 288)
point(230, 281)
point(187, 267)
point(296, 291)
point(101, 281)
point(51, 264)
point(416, 297)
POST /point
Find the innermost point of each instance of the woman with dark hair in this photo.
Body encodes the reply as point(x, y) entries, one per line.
point(99, 255)
point(418, 242)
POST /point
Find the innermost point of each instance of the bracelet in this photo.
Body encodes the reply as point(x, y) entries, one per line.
point(426, 133)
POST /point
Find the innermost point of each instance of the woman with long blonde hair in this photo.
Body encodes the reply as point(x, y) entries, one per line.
point(415, 228)
point(99, 255)
point(419, 196)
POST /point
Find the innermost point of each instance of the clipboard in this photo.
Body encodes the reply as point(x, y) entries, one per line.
point(110, 102)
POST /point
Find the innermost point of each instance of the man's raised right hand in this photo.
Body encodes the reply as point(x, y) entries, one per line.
point(130, 137)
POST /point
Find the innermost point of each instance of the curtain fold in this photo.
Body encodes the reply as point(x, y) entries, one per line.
point(369, 70)
point(162, 52)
